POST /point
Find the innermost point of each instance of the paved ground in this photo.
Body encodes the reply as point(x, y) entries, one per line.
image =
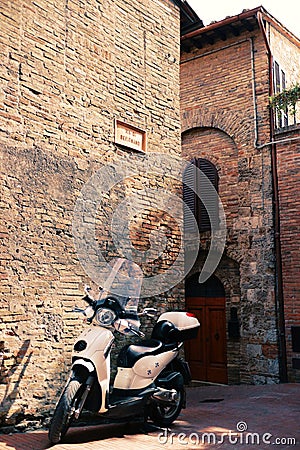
point(217, 417)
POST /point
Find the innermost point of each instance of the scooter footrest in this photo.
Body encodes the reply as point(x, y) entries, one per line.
point(122, 400)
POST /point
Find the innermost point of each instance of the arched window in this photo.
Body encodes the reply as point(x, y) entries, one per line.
point(210, 288)
point(194, 186)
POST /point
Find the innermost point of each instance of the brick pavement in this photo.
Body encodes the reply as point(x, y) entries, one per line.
point(270, 413)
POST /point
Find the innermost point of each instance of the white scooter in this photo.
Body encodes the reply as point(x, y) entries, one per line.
point(150, 377)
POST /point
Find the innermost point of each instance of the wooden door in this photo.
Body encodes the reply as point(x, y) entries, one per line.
point(207, 353)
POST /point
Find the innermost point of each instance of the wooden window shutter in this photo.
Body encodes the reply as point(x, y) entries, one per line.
point(276, 77)
point(192, 202)
point(210, 199)
point(277, 89)
point(285, 112)
point(189, 197)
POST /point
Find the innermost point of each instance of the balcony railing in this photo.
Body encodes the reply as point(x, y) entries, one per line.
point(287, 117)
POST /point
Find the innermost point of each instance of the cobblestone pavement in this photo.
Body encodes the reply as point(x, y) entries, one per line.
point(217, 417)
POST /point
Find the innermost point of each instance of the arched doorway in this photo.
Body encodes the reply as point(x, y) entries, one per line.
point(207, 355)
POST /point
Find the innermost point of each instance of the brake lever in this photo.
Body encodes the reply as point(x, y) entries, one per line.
point(136, 332)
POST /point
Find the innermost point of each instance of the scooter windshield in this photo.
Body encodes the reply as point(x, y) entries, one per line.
point(124, 283)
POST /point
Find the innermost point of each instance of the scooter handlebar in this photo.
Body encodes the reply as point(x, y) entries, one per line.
point(87, 298)
point(87, 312)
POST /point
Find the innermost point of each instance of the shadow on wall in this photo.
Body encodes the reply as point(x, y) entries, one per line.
point(22, 358)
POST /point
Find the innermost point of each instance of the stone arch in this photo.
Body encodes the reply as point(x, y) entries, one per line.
point(235, 125)
point(228, 272)
point(212, 287)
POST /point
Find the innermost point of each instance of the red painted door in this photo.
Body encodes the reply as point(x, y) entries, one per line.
point(207, 355)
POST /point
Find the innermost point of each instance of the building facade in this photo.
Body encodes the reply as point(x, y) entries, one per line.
point(85, 86)
point(93, 87)
point(228, 73)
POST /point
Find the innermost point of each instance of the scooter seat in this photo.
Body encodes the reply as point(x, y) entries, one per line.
point(130, 354)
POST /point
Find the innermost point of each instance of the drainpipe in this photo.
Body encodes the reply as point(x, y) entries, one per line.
point(279, 280)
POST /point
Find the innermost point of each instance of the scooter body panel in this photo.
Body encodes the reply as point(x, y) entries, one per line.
point(144, 371)
point(98, 341)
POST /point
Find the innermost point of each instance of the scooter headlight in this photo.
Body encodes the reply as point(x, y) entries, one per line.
point(105, 317)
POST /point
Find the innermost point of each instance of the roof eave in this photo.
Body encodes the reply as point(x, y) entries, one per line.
point(255, 12)
point(280, 27)
point(227, 21)
point(189, 19)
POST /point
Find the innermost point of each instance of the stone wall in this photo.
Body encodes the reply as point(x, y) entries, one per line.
point(68, 70)
point(285, 49)
point(218, 124)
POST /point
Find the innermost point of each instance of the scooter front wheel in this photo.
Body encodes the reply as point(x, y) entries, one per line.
point(64, 412)
point(163, 414)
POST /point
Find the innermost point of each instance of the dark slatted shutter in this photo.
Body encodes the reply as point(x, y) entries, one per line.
point(209, 195)
point(285, 112)
point(276, 77)
point(195, 181)
point(189, 197)
point(277, 88)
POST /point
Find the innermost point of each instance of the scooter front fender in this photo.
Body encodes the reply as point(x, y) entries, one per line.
point(92, 348)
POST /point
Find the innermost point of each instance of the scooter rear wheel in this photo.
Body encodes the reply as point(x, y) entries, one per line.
point(163, 414)
point(64, 412)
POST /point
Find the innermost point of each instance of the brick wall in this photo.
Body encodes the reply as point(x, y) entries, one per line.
point(67, 71)
point(289, 185)
point(218, 124)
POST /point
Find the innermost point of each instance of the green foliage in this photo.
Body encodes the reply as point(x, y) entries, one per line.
point(286, 99)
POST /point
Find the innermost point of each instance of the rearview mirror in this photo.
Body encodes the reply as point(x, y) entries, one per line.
point(150, 312)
